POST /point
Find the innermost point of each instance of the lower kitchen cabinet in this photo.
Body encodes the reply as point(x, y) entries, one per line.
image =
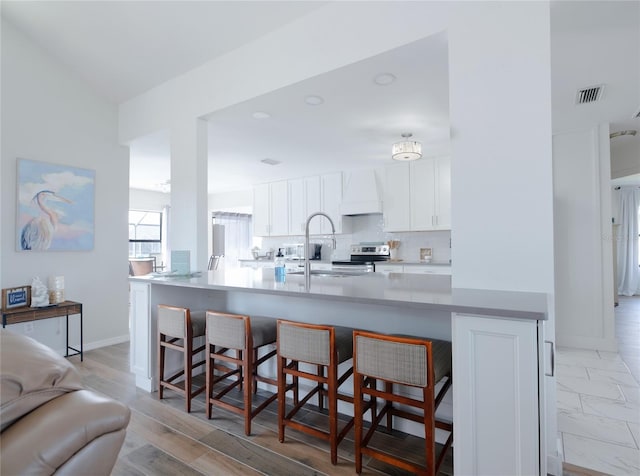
point(495, 368)
point(413, 269)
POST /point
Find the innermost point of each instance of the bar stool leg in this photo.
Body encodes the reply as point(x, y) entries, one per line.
point(247, 359)
point(333, 410)
point(282, 384)
point(161, 355)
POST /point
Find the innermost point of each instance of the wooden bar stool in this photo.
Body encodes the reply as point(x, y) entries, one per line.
point(244, 335)
point(408, 361)
point(324, 347)
point(177, 327)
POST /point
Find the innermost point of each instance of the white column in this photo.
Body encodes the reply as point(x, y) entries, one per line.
point(189, 221)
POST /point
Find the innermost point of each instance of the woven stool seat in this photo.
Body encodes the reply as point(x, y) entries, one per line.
point(322, 347)
point(407, 361)
point(244, 336)
point(177, 328)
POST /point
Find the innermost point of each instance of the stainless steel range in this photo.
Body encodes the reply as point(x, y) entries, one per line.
point(363, 258)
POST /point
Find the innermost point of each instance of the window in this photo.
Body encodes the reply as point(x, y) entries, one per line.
point(145, 233)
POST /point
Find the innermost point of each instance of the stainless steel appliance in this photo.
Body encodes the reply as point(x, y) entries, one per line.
point(296, 251)
point(363, 258)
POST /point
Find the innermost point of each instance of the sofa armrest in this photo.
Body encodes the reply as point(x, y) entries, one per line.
point(44, 440)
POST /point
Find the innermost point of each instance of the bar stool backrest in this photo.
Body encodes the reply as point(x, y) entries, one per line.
point(172, 321)
point(227, 330)
point(305, 342)
point(405, 362)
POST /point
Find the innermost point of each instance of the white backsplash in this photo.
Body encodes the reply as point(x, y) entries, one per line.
point(368, 228)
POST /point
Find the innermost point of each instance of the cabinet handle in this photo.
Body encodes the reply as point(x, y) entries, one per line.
point(553, 358)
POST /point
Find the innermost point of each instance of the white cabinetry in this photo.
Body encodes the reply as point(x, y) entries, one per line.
point(331, 195)
point(418, 195)
point(304, 199)
point(413, 269)
point(397, 198)
point(388, 268)
point(270, 209)
point(282, 208)
point(495, 369)
point(427, 269)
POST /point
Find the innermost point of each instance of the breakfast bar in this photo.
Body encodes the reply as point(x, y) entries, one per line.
point(497, 336)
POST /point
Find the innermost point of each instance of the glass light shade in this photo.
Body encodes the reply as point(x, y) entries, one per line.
point(406, 150)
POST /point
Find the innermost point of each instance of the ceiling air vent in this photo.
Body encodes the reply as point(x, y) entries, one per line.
point(590, 94)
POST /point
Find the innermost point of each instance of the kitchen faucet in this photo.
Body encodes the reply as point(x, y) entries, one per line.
point(307, 265)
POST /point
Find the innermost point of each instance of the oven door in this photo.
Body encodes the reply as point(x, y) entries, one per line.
point(352, 267)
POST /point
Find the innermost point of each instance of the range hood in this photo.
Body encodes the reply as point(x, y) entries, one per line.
point(361, 193)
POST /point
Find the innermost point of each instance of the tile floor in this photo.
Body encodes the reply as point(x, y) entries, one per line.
point(599, 401)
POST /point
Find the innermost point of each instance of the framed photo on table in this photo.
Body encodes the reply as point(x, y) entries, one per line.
point(16, 297)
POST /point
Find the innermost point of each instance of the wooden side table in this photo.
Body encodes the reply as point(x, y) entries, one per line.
point(66, 308)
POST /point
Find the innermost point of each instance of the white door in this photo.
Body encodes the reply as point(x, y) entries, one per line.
point(331, 201)
point(495, 395)
point(297, 209)
point(279, 208)
point(443, 193)
point(397, 198)
point(313, 204)
point(422, 195)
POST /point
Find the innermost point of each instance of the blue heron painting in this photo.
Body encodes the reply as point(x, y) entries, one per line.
point(55, 207)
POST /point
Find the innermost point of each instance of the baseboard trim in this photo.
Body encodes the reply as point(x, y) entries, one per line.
point(106, 342)
point(590, 343)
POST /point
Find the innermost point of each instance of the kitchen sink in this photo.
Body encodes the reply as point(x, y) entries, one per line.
point(330, 273)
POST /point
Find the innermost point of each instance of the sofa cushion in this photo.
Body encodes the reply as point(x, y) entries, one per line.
point(31, 374)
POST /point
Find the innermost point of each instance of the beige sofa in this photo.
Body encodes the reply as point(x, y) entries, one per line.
point(49, 422)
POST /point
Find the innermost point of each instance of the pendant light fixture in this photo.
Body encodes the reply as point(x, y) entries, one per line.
point(406, 149)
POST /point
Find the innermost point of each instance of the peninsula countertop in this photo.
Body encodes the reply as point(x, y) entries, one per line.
point(428, 292)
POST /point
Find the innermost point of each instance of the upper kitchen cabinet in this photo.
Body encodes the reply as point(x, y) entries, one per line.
point(397, 198)
point(271, 209)
point(418, 195)
point(282, 208)
point(331, 193)
point(304, 199)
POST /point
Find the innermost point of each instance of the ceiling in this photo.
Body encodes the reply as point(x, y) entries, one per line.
point(592, 43)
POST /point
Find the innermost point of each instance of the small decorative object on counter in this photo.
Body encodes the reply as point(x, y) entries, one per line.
point(56, 289)
point(393, 249)
point(39, 295)
point(426, 255)
point(280, 269)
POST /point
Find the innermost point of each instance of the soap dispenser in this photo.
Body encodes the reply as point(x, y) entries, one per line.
point(280, 269)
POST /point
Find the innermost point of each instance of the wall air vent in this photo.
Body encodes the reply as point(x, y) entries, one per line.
point(590, 94)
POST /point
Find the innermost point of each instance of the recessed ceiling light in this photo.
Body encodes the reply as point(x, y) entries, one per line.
point(314, 100)
point(384, 79)
point(261, 115)
point(270, 161)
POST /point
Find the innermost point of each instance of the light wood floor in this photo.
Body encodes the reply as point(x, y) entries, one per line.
point(162, 439)
point(627, 315)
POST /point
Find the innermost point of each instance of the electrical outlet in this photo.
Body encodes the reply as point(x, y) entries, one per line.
point(28, 327)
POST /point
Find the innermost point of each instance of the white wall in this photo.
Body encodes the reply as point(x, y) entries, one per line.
point(240, 201)
point(49, 115)
point(625, 156)
point(584, 257)
point(148, 200)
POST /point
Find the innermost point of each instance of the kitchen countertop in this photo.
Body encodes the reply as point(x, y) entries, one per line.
point(428, 292)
